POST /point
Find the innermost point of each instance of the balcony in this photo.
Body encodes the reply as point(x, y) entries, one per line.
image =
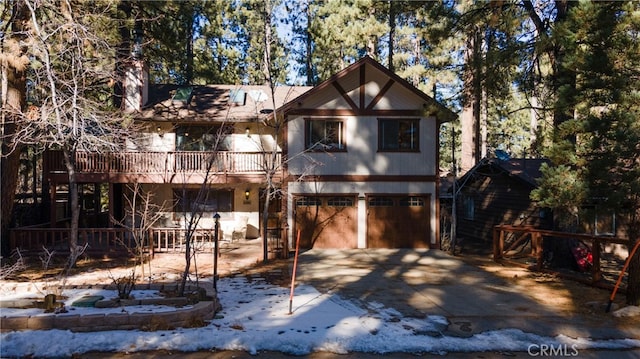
point(187, 166)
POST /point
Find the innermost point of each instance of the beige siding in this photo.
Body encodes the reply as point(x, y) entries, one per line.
point(362, 156)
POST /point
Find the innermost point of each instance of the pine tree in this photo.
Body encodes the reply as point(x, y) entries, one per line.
point(13, 66)
point(596, 152)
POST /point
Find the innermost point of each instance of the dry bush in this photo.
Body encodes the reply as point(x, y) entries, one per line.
point(156, 323)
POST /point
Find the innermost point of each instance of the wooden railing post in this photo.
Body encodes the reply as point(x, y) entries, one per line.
point(536, 239)
point(498, 243)
point(152, 250)
point(596, 273)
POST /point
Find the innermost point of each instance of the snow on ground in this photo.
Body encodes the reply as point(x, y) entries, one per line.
point(255, 317)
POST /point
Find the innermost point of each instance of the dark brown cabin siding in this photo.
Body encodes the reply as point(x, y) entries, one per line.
point(498, 199)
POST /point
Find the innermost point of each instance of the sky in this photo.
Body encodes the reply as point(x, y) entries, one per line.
point(255, 317)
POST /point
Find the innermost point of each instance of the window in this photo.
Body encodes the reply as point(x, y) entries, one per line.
point(340, 202)
point(309, 201)
point(213, 200)
point(324, 135)
point(469, 208)
point(203, 138)
point(411, 202)
point(398, 135)
point(380, 202)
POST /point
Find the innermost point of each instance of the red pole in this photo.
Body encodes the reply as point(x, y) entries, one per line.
point(293, 276)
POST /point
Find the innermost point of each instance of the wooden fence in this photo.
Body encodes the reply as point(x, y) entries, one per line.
point(523, 246)
point(110, 240)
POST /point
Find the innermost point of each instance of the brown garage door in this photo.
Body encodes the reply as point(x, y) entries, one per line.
point(398, 221)
point(326, 222)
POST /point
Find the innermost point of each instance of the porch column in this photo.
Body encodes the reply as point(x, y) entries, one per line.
point(362, 221)
point(52, 205)
point(111, 202)
point(96, 204)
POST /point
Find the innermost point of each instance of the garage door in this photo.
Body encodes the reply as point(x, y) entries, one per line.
point(398, 221)
point(326, 222)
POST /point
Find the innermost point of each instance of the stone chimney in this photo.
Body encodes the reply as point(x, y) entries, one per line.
point(136, 77)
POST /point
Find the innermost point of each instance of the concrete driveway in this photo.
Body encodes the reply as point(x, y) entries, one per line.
point(431, 282)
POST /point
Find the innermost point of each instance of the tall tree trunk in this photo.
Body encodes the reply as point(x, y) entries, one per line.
point(188, 71)
point(392, 32)
point(74, 202)
point(309, 46)
point(470, 117)
point(13, 101)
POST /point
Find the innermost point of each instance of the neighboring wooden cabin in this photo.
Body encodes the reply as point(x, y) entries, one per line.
point(497, 192)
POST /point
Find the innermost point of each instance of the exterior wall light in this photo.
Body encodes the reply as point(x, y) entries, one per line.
point(247, 132)
point(247, 192)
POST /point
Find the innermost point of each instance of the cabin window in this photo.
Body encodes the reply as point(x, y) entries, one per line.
point(469, 208)
point(212, 200)
point(203, 138)
point(605, 224)
point(598, 221)
point(325, 135)
point(400, 135)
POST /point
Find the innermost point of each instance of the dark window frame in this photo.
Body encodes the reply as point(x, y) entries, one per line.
point(216, 200)
point(314, 142)
point(392, 128)
point(200, 138)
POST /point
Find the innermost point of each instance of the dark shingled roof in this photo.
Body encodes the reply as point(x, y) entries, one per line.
point(211, 102)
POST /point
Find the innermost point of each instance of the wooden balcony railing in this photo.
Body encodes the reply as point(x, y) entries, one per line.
point(146, 162)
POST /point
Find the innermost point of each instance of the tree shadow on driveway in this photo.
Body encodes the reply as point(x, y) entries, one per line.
point(418, 283)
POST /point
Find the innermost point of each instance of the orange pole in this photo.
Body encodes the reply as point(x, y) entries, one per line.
point(624, 269)
point(293, 276)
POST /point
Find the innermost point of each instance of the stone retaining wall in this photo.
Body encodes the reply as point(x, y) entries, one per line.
point(181, 317)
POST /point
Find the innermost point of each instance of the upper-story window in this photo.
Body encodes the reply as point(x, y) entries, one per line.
point(202, 138)
point(399, 135)
point(325, 135)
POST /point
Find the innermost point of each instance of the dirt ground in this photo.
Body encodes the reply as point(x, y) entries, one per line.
point(246, 257)
point(569, 297)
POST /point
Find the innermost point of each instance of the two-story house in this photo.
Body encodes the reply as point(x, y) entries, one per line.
point(370, 174)
point(357, 160)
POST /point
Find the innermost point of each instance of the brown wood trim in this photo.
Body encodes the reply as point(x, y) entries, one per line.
point(345, 96)
point(362, 83)
point(366, 178)
point(347, 112)
point(297, 195)
point(380, 94)
point(192, 178)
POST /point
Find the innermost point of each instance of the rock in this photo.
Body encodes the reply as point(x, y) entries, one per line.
point(628, 311)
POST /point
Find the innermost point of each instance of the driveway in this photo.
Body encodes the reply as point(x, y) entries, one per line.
point(473, 297)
